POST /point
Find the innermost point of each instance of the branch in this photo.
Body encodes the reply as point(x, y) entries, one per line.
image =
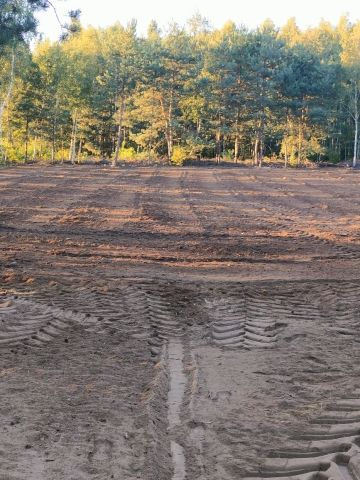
point(56, 14)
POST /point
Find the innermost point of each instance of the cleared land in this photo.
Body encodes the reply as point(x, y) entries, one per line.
point(198, 323)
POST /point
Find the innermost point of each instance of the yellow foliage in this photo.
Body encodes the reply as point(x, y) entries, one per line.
point(180, 154)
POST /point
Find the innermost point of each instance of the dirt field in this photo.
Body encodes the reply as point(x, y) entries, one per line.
point(172, 324)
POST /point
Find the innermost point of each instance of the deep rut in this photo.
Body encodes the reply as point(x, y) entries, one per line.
point(175, 402)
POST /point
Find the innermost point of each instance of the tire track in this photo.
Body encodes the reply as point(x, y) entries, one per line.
point(177, 387)
point(138, 310)
point(347, 312)
point(27, 322)
point(228, 322)
point(161, 320)
point(331, 448)
point(255, 317)
point(261, 325)
point(247, 321)
point(114, 312)
point(248, 318)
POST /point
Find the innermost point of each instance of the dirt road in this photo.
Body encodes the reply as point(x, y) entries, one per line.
point(193, 323)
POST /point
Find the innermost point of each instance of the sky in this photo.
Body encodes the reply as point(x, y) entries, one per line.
point(249, 13)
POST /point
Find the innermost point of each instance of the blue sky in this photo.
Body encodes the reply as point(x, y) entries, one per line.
point(250, 13)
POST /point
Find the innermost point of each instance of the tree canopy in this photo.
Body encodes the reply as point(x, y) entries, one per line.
point(17, 19)
point(189, 92)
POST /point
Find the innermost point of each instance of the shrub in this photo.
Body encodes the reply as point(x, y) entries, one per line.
point(180, 154)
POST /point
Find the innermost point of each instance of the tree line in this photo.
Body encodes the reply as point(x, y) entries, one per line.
point(191, 92)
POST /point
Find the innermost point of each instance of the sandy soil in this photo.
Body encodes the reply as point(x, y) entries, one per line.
point(183, 324)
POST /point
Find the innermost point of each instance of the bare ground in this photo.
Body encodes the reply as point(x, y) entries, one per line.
point(195, 323)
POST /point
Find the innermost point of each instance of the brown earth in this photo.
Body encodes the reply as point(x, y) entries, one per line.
point(194, 323)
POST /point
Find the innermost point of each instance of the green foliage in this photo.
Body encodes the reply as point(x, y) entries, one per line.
point(189, 93)
point(332, 156)
point(311, 148)
point(17, 19)
point(228, 155)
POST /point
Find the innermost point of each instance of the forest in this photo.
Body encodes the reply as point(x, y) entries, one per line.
point(190, 92)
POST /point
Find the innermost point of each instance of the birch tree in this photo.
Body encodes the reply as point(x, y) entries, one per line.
point(8, 91)
point(351, 62)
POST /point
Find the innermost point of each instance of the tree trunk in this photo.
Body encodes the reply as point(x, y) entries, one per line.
point(119, 139)
point(170, 140)
point(256, 150)
point(79, 150)
point(356, 121)
point(54, 128)
point(356, 143)
point(72, 153)
point(260, 144)
point(27, 140)
point(300, 136)
point(236, 147)
point(9, 90)
point(52, 152)
point(261, 152)
point(62, 144)
point(168, 124)
point(287, 135)
point(218, 145)
point(34, 149)
point(237, 138)
point(299, 155)
point(170, 135)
